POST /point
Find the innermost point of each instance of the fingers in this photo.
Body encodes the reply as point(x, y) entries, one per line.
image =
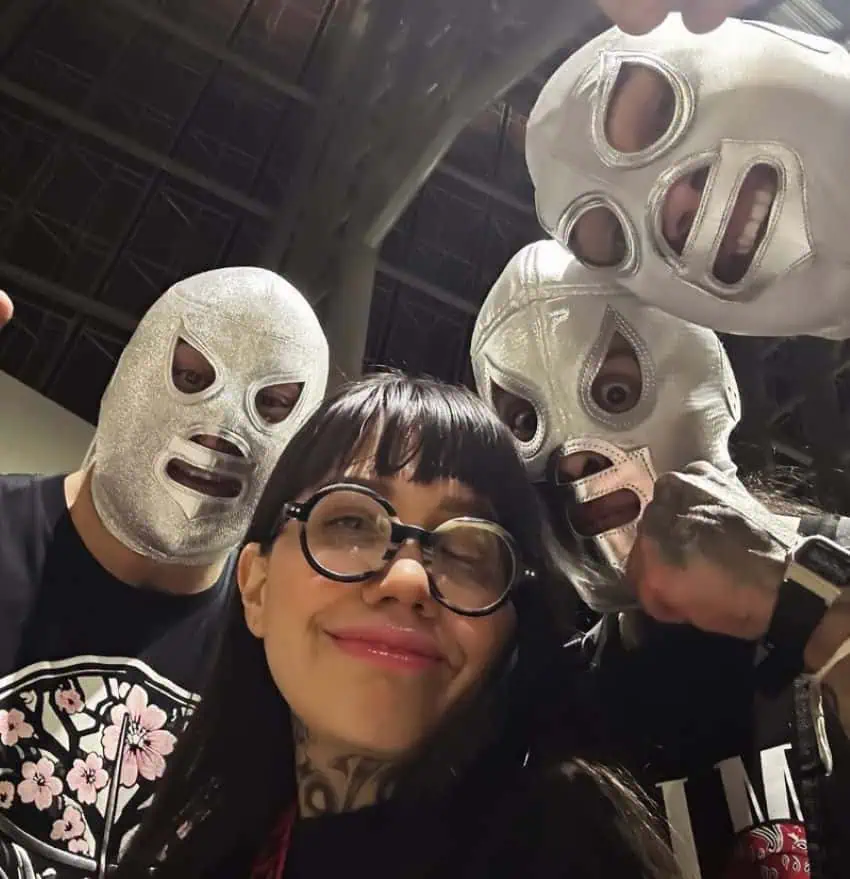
point(635, 16)
point(699, 16)
point(652, 582)
point(6, 309)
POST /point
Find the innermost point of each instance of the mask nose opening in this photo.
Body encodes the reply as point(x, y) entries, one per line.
point(681, 205)
point(217, 444)
point(207, 481)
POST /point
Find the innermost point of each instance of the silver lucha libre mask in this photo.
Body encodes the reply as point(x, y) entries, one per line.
point(555, 336)
point(178, 472)
point(705, 173)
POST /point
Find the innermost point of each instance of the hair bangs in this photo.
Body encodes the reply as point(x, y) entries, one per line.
point(390, 423)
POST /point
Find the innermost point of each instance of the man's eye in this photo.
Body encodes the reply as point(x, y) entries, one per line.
point(191, 372)
point(523, 423)
point(598, 239)
point(276, 402)
point(518, 414)
point(616, 394)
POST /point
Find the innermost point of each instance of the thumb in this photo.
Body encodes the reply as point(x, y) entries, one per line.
point(6, 309)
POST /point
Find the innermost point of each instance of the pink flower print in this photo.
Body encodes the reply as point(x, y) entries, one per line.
point(147, 742)
point(40, 785)
point(7, 794)
point(13, 726)
point(69, 700)
point(78, 847)
point(69, 826)
point(87, 777)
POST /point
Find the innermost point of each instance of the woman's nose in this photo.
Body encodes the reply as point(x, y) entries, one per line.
point(577, 465)
point(405, 580)
point(680, 208)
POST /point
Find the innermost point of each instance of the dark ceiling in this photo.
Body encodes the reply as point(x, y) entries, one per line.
point(144, 140)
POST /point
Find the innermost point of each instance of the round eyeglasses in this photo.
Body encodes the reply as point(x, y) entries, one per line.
point(349, 533)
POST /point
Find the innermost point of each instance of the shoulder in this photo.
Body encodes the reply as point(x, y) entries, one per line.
point(22, 490)
point(579, 818)
point(29, 505)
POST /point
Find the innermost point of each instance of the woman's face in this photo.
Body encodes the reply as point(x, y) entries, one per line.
point(372, 666)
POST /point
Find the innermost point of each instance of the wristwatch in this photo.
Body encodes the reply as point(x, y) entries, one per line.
point(817, 571)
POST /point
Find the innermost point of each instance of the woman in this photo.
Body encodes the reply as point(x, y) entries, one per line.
point(372, 707)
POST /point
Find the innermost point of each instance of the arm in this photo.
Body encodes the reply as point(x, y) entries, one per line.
point(710, 555)
point(833, 631)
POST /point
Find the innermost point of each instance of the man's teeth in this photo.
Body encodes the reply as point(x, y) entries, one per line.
point(202, 475)
point(761, 205)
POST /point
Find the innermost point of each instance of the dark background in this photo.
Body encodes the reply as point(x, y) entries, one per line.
point(144, 140)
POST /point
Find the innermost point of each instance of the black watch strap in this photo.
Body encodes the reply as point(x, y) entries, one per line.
point(797, 614)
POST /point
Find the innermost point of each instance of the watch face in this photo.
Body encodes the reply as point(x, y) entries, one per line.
point(826, 559)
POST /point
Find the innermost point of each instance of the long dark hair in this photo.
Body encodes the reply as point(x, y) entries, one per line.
point(207, 806)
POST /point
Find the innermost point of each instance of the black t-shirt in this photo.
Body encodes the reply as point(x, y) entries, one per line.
point(96, 680)
point(720, 757)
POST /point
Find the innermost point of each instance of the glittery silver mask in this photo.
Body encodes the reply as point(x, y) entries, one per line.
point(543, 335)
point(256, 330)
point(755, 120)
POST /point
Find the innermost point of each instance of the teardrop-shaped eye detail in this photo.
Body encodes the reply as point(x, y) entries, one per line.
point(641, 109)
point(191, 372)
point(275, 402)
point(618, 384)
point(516, 412)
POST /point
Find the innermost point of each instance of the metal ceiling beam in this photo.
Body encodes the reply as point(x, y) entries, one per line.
point(64, 296)
point(162, 22)
point(83, 124)
point(180, 172)
point(16, 18)
point(565, 18)
point(484, 188)
point(426, 287)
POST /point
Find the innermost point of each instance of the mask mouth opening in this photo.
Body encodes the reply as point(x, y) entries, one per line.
point(203, 480)
point(588, 519)
point(606, 513)
point(747, 224)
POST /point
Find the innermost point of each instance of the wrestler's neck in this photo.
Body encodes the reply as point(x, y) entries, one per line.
point(123, 563)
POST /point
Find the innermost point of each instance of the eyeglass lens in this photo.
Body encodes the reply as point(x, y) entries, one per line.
point(350, 534)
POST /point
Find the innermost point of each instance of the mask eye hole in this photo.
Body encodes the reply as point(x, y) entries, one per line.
point(275, 402)
point(191, 372)
point(618, 385)
point(598, 238)
point(641, 109)
point(516, 412)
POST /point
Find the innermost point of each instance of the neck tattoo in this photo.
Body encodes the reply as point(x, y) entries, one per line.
point(331, 781)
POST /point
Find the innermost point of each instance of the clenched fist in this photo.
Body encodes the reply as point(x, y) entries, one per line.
point(640, 16)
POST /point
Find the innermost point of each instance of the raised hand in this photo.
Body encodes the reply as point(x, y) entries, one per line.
point(640, 16)
point(709, 554)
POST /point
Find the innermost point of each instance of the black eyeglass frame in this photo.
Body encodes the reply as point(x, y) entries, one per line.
point(400, 533)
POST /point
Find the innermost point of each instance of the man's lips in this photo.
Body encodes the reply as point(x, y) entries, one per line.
point(389, 646)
